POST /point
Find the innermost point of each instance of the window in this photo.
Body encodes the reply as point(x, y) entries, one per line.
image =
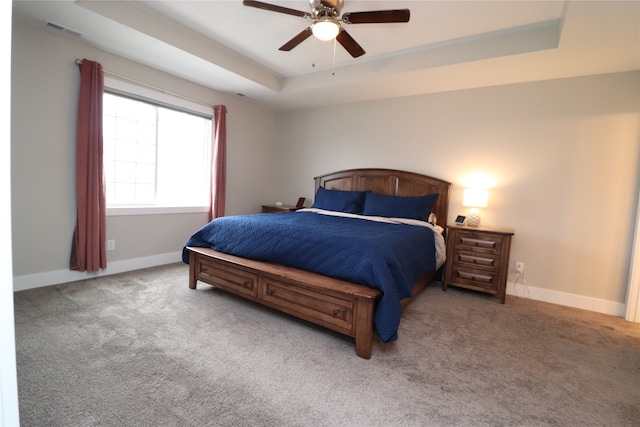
point(155, 155)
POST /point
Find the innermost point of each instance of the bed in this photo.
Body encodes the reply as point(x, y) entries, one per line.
point(350, 302)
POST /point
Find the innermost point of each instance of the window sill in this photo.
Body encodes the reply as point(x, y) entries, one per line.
point(154, 210)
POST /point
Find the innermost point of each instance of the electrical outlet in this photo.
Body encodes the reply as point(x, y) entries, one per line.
point(520, 267)
point(111, 245)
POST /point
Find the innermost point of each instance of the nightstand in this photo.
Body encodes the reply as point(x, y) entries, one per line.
point(278, 208)
point(478, 259)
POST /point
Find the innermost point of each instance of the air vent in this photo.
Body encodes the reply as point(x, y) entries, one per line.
point(63, 28)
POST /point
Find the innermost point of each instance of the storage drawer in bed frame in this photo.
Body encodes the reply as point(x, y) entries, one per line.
point(341, 306)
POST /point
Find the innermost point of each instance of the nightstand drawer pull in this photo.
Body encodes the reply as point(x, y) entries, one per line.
point(477, 242)
point(476, 260)
point(475, 277)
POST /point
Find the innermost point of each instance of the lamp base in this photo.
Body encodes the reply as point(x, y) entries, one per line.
point(473, 218)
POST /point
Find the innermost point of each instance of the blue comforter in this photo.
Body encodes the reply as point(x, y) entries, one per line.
point(388, 257)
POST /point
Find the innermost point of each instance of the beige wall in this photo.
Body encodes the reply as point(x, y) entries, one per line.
point(45, 83)
point(562, 158)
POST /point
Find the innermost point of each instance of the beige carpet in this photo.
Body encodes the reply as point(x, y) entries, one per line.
point(141, 349)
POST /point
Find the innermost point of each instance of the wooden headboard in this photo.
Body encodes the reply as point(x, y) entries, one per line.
point(390, 182)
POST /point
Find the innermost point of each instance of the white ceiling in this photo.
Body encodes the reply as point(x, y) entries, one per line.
point(447, 45)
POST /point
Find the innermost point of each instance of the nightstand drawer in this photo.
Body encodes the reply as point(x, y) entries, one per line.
point(474, 279)
point(476, 260)
point(478, 242)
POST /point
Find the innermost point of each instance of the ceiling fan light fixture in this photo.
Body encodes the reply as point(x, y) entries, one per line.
point(325, 29)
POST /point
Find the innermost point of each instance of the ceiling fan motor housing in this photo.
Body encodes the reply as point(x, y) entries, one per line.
point(330, 8)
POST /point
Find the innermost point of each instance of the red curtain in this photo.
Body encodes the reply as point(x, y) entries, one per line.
point(88, 251)
point(218, 181)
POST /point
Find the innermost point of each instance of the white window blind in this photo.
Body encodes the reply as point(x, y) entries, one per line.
point(156, 151)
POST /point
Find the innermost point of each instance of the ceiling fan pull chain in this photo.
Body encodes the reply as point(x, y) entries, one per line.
point(333, 70)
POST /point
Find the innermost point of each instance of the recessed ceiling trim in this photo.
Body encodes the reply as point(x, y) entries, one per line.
point(514, 41)
point(159, 28)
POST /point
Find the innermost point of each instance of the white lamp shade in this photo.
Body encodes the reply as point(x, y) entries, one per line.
point(475, 197)
point(325, 30)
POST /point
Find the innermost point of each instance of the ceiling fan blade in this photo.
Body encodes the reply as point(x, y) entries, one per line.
point(377, 16)
point(302, 36)
point(276, 8)
point(350, 44)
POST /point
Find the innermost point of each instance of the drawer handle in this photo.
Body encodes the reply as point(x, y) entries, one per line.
point(475, 277)
point(339, 313)
point(247, 284)
point(478, 242)
point(476, 259)
point(271, 291)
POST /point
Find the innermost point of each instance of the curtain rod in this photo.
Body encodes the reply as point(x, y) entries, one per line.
point(120, 76)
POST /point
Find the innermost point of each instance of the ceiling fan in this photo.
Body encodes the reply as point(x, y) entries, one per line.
point(326, 22)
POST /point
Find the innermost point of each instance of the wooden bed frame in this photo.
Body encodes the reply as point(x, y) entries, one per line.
point(338, 305)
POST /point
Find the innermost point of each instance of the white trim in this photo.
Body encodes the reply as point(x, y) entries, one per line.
point(154, 210)
point(38, 280)
point(632, 313)
point(9, 404)
point(570, 300)
point(30, 281)
point(155, 94)
point(633, 295)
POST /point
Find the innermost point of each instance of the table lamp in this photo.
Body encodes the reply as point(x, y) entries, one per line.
point(474, 198)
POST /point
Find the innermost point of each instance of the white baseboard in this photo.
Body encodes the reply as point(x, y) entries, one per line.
point(30, 281)
point(569, 300)
point(38, 280)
